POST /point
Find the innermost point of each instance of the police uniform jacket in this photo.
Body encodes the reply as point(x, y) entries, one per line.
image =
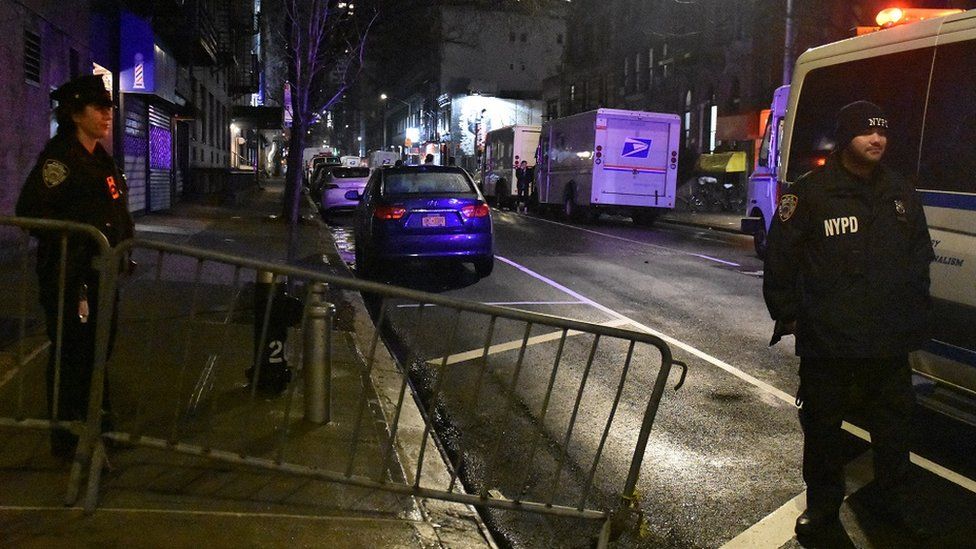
point(68, 183)
point(848, 260)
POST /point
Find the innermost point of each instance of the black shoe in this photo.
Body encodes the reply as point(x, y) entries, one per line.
point(813, 523)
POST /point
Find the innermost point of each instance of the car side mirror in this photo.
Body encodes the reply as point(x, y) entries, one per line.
point(353, 195)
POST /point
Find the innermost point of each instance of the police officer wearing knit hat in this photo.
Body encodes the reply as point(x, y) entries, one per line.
point(74, 179)
point(847, 274)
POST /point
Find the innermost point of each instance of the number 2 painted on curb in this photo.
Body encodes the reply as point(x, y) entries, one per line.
point(277, 349)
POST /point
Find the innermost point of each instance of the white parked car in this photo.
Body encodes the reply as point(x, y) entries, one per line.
point(334, 185)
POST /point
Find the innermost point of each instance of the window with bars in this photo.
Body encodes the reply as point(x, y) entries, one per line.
point(32, 57)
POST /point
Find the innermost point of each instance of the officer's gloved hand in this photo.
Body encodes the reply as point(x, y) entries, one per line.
point(780, 329)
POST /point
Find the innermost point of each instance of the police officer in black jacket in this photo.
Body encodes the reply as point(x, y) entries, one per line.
point(75, 179)
point(848, 274)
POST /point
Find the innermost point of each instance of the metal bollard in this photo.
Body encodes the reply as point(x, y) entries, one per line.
point(317, 355)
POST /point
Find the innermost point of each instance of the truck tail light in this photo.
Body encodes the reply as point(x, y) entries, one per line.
point(389, 212)
point(475, 210)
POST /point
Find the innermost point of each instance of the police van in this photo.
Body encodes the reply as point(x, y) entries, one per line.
point(609, 160)
point(923, 75)
point(765, 188)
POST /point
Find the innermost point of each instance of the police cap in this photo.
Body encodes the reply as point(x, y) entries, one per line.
point(84, 90)
point(856, 118)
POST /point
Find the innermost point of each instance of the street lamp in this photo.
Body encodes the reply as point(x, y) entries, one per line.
point(384, 97)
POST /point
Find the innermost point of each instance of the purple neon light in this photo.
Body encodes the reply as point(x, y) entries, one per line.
point(160, 148)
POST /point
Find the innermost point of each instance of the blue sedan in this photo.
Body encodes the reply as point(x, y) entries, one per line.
point(422, 212)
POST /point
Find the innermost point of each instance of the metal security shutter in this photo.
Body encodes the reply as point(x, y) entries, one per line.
point(134, 148)
point(160, 159)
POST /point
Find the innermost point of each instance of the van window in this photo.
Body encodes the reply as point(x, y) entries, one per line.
point(896, 82)
point(764, 148)
point(949, 147)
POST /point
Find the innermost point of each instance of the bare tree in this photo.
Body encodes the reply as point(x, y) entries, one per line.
point(326, 45)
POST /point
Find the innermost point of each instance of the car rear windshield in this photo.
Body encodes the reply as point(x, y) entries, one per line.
point(350, 172)
point(425, 183)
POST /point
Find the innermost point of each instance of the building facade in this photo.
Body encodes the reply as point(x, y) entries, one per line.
point(483, 68)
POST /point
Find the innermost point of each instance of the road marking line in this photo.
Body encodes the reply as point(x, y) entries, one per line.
point(500, 303)
point(717, 260)
point(632, 241)
point(776, 528)
point(934, 468)
point(515, 344)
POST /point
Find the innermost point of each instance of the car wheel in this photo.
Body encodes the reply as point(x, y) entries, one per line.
point(760, 240)
point(367, 266)
point(484, 266)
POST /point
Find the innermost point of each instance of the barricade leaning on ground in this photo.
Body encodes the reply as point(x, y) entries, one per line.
point(192, 337)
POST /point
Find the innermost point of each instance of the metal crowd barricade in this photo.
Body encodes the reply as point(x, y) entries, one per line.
point(24, 399)
point(186, 335)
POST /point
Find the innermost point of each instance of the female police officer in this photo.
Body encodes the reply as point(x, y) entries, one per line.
point(75, 179)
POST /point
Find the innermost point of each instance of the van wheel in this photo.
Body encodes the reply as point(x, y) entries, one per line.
point(645, 218)
point(503, 194)
point(760, 240)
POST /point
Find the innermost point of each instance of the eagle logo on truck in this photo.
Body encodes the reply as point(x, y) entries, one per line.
point(635, 147)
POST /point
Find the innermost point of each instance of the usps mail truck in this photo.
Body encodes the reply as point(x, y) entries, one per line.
point(504, 149)
point(609, 160)
point(922, 75)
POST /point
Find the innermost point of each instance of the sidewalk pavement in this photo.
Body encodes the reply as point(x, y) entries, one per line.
point(154, 499)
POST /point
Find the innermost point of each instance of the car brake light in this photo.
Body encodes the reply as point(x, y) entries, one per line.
point(389, 212)
point(475, 210)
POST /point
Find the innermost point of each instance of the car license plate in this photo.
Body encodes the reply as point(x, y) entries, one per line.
point(433, 221)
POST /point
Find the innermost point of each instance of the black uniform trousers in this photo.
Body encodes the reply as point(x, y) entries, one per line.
point(77, 363)
point(881, 390)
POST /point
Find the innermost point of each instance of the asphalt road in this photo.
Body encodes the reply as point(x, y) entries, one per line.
point(723, 463)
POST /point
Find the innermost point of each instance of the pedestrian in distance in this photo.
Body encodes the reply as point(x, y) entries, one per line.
point(451, 161)
point(429, 159)
point(75, 179)
point(523, 180)
point(847, 273)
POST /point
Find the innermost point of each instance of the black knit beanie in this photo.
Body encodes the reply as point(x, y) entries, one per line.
point(856, 118)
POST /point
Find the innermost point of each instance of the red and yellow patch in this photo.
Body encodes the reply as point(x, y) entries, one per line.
point(787, 206)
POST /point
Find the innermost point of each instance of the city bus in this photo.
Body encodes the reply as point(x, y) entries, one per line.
point(922, 74)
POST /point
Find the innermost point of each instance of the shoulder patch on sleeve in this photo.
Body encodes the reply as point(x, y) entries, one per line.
point(54, 172)
point(787, 206)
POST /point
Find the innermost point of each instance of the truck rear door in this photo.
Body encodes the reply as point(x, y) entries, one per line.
point(632, 169)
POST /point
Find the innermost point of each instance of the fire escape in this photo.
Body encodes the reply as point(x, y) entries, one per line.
point(208, 33)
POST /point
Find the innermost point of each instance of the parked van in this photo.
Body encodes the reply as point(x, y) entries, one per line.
point(378, 159)
point(765, 187)
point(504, 149)
point(609, 160)
point(922, 74)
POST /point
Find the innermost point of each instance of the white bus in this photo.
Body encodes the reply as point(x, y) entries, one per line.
point(504, 149)
point(923, 75)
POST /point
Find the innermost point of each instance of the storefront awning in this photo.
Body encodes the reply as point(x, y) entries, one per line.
point(727, 162)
